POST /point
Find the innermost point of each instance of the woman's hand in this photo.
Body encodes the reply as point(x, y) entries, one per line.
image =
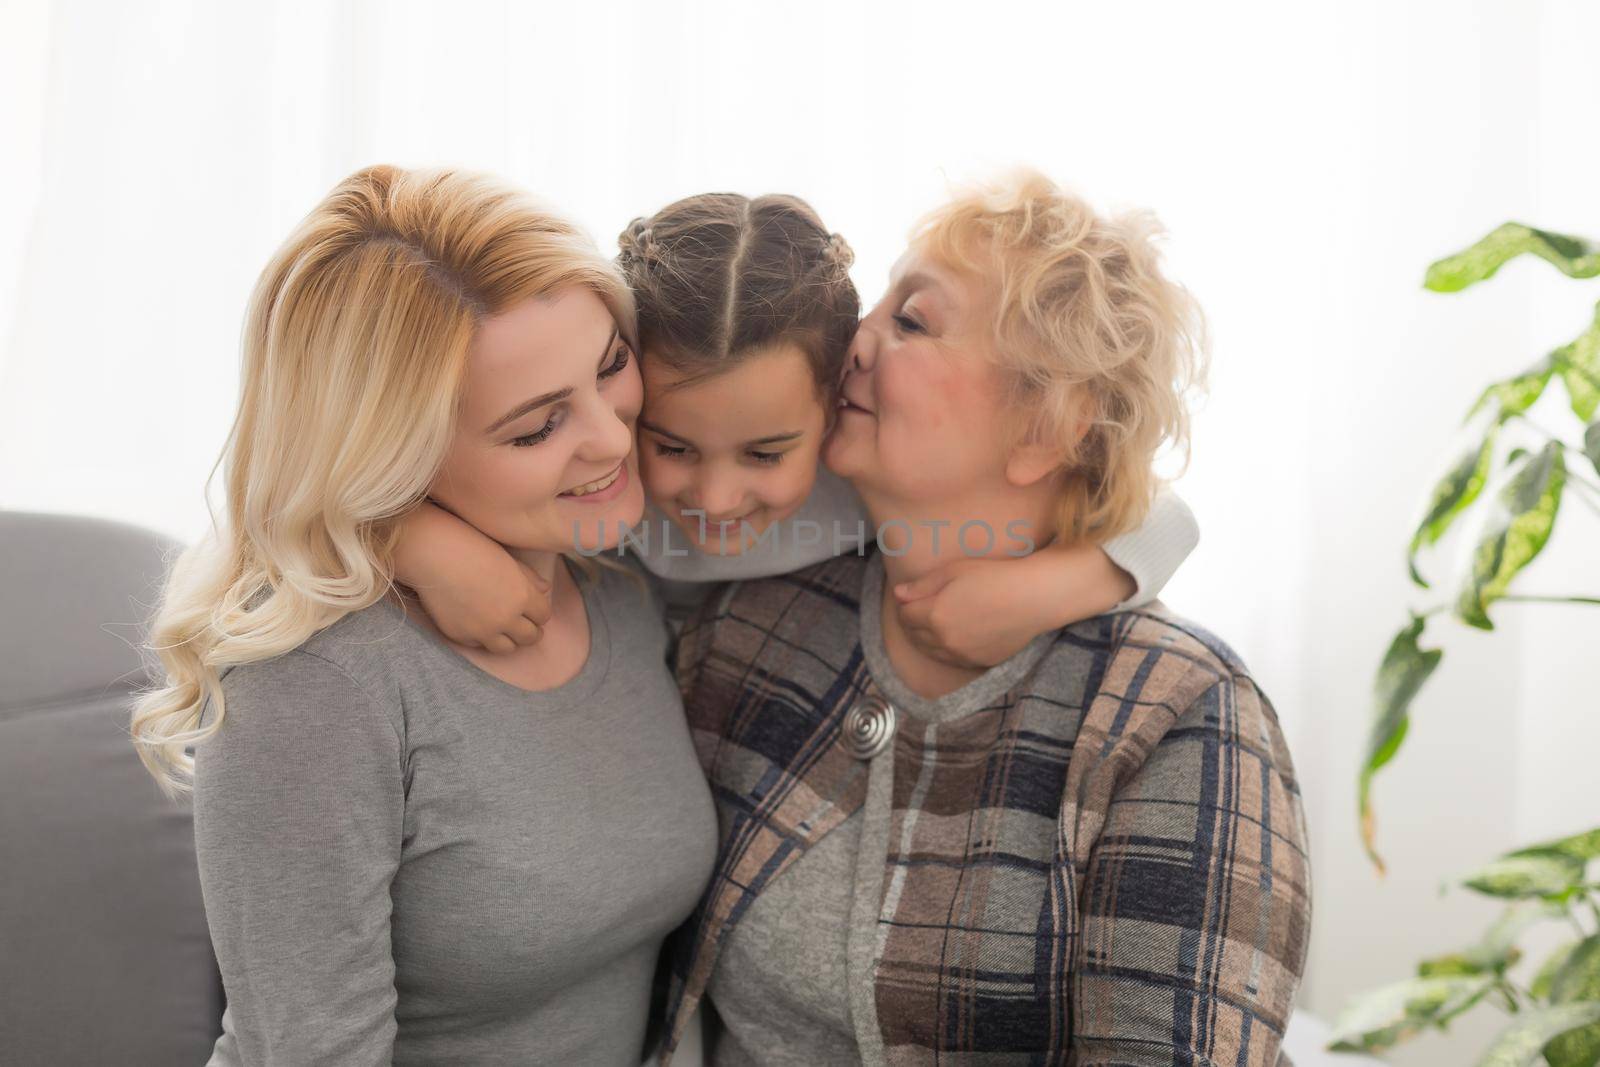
point(476, 593)
point(977, 613)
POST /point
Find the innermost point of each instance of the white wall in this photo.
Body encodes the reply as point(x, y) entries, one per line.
point(1310, 160)
point(1463, 120)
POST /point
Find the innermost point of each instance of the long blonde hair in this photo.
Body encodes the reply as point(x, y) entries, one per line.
point(354, 363)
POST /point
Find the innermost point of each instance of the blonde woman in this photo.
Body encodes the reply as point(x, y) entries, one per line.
point(1091, 853)
point(411, 850)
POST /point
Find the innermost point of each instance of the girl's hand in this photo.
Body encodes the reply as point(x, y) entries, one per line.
point(476, 593)
point(977, 613)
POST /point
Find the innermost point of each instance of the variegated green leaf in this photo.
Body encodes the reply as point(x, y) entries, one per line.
point(1454, 494)
point(1517, 394)
point(1456, 963)
point(1405, 667)
point(1497, 949)
point(1591, 444)
point(1540, 986)
point(1573, 256)
point(1580, 369)
point(1516, 533)
point(1583, 390)
point(1577, 980)
point(1520, 1044)
point(1527, 873)
point(1583, 847)
point(1575, 1048)
point(1383, 1017)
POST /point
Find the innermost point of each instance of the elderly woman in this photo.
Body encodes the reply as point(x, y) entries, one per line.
point(1093, 852)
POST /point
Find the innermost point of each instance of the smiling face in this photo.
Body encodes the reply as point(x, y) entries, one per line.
point(740, 446)
point(545, 439)
point(922, 415)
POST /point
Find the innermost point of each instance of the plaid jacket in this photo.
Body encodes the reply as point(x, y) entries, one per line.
point(1125, 879)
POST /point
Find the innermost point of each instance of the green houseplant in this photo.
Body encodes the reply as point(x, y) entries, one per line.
point(1514, 476)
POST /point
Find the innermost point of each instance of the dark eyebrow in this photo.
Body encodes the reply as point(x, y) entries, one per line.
point(653, 428)
point(547, 398)
point(775, 439)
point(522, 409)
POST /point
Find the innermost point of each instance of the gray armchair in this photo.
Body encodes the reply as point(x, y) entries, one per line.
point(104, 953)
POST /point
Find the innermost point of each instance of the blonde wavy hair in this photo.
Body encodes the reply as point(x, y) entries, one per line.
point(1086, 326)
point(354, 365)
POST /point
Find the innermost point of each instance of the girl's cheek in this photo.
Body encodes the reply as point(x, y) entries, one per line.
point(660, 482)
point(790, 490)
point(630, 392)
point(802, 473)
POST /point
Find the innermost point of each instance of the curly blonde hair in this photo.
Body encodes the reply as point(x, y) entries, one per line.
point(354, 365)
point(1088, 329)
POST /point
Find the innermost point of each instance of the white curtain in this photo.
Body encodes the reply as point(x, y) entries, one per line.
point(1309, 161)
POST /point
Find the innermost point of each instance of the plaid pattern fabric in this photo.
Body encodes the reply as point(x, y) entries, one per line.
point(1106, 866)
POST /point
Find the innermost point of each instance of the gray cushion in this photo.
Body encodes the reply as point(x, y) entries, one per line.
point(77, 594)
point(104, 951)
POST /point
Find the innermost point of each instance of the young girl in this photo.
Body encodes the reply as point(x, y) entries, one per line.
point(746, 310)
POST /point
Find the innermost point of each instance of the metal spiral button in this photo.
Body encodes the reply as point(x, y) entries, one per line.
point(869, 726)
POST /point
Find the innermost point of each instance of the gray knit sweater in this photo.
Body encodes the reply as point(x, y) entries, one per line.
point(406, 858)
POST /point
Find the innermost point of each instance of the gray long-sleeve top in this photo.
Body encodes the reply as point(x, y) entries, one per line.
point(406, 859)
